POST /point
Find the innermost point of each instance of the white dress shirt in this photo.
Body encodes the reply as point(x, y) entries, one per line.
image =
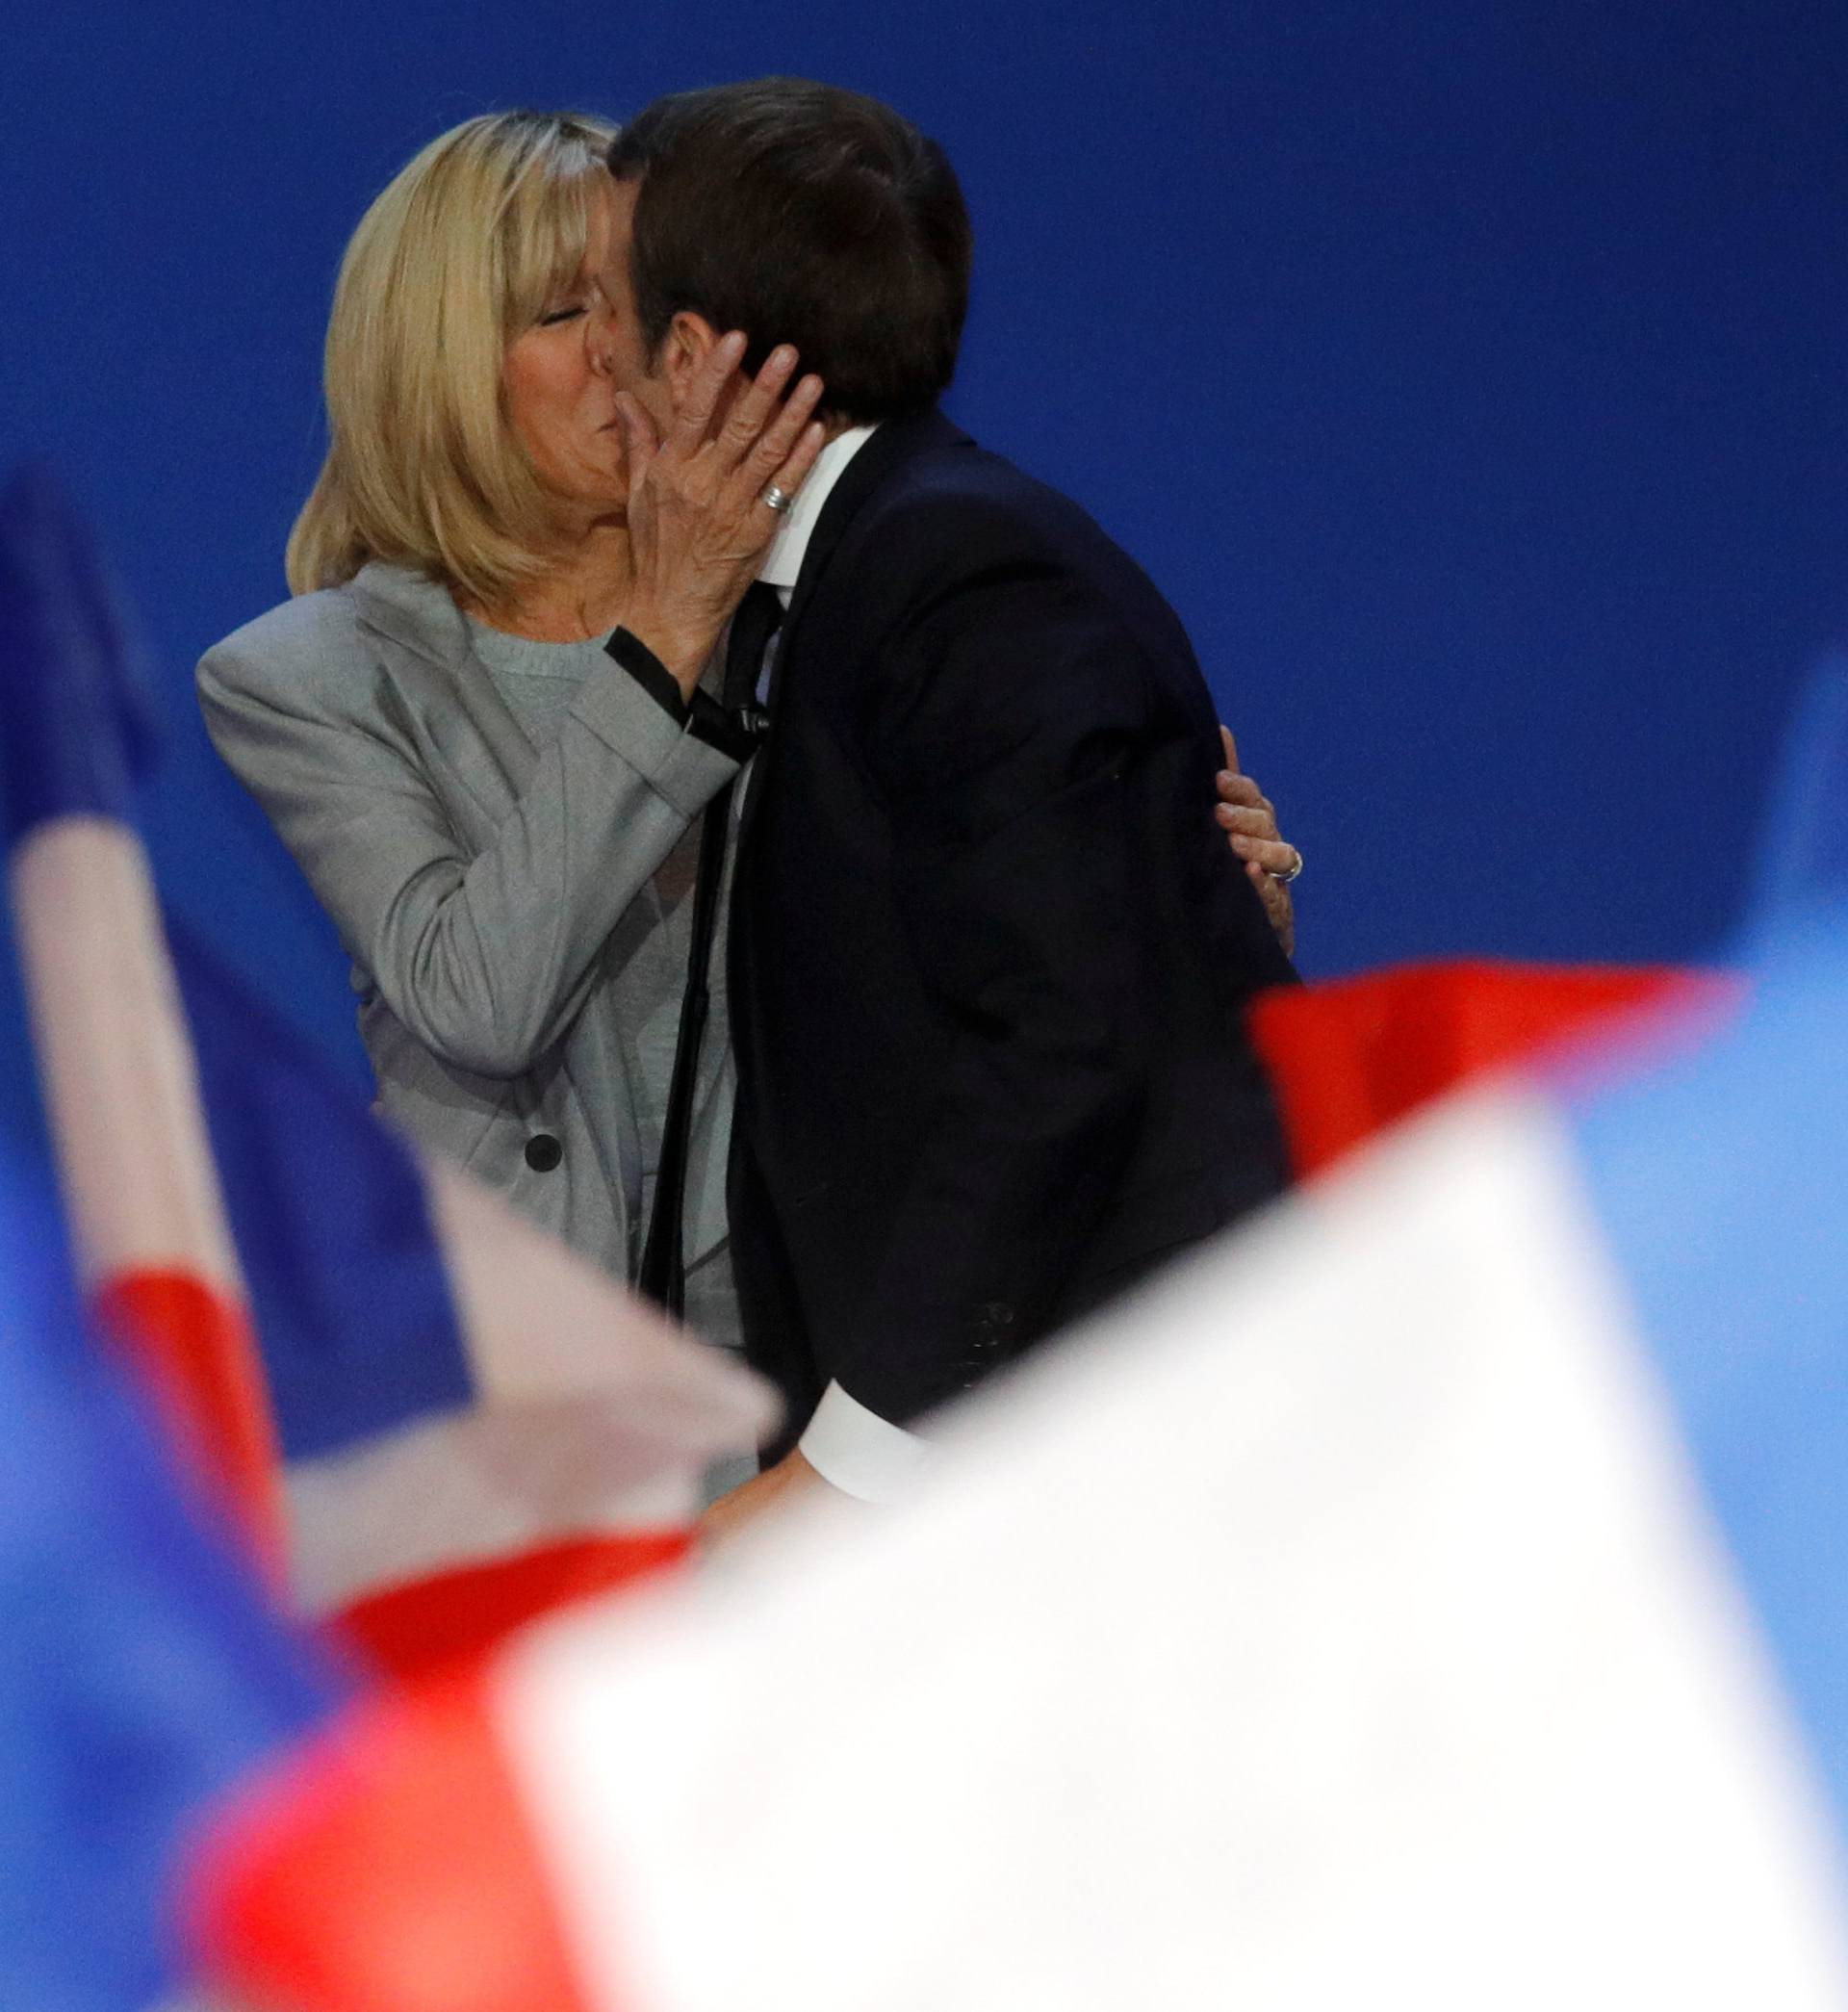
point(782, 562)
point(851, 1448)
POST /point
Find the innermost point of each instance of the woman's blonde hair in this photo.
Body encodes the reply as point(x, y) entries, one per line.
point(453, 260)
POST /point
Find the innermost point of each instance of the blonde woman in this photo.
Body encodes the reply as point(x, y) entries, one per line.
point(479, 727)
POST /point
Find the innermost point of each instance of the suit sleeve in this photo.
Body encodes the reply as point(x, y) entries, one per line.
point(485, 956)
point(1006, 716)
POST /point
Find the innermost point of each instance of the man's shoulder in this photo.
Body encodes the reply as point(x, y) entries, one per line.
point(956, 498)
point(957, 517)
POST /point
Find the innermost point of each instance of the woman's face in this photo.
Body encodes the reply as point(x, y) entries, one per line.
point(561, 397)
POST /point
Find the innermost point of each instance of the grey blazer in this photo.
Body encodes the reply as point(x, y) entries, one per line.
point(483, 889)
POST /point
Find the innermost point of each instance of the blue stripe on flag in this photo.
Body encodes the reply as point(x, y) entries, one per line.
point(1721, 1182)
point(76, 713)
point(139, 1673)
point(1803, 871)
point(358, 1327)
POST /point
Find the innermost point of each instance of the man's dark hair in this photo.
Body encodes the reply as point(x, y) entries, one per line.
point(808, 215)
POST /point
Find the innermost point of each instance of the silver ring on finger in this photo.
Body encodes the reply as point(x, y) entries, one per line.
point(1283, 879)
point(777, 499)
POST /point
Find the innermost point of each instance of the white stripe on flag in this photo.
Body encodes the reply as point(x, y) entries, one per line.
point(476, 1488)
point(1338, 1627)
point(542, 1323)
point(114, 1058)
point(592, 1416)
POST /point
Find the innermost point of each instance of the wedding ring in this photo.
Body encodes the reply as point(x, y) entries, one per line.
point(777, 499)
point(1283, 879)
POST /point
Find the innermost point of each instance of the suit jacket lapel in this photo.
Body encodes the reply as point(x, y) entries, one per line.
point(412, 617)
point(894, 443)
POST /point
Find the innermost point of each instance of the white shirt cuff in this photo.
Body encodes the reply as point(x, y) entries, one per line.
point(859, 1453)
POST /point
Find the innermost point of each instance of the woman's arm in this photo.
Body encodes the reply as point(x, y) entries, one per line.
point(486, 956)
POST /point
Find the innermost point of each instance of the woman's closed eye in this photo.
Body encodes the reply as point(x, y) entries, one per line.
point(553, 316)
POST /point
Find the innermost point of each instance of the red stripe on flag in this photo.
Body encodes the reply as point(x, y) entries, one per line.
point(390, 1866)
point(196, 1350)
point(411, 1630)
point(1349, 1058)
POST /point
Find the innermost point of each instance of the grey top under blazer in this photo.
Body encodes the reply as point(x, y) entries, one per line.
point(486, 890)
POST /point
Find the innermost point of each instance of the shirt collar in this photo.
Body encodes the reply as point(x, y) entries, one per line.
point(782, 562)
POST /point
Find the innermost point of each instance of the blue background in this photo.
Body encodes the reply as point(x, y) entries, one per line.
point(1470, 375)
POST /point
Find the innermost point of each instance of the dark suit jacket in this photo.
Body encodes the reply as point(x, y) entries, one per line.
point(989, 949)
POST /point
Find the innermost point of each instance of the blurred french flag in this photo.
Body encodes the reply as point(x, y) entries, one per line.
point(1433, 1598)
point(433, 1420)
point(141, 1670)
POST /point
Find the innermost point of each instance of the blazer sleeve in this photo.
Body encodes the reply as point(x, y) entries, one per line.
point(1006, 716)
point(485, 955)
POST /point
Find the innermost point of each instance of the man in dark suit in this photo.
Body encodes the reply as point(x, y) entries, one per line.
point(987, 958)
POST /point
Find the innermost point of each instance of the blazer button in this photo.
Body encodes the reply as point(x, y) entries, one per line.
point(543, 1152)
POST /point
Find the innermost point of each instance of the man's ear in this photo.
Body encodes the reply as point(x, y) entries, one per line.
point(689, 341)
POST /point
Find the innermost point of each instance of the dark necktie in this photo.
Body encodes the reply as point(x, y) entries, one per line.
point(664, 1270)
